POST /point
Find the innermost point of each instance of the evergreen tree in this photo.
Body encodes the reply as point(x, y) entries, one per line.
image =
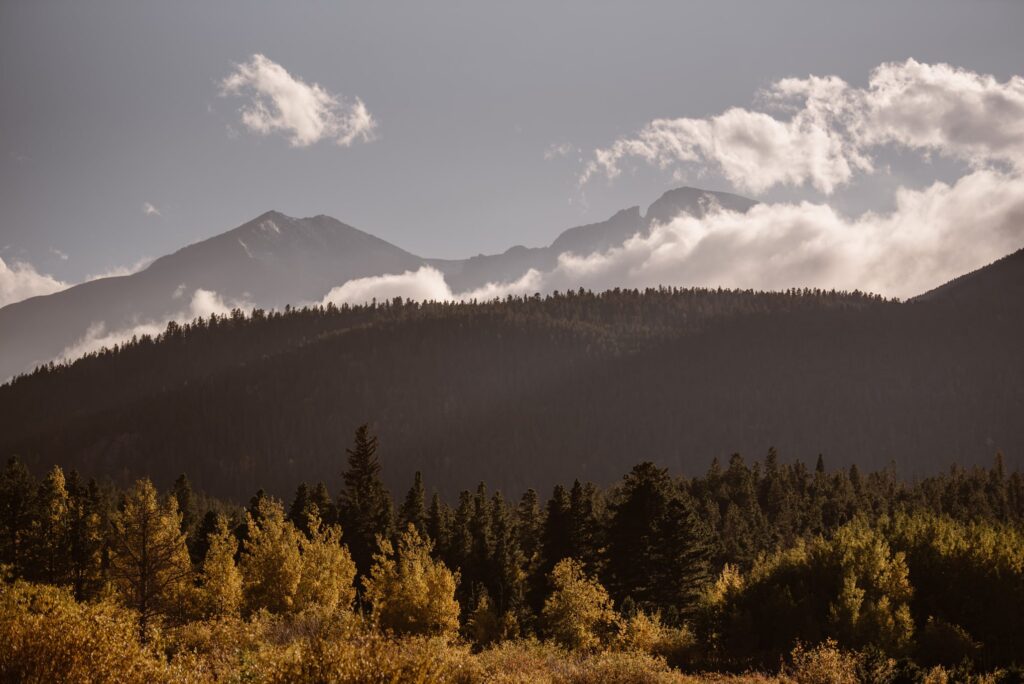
point(86, 537)
point(507, 583)
point(186, 504)
point(51, 530)
point(299, 510)
point(414, 507)
point(439, 523)
point(17, 493)
point(365, 507)
point(529, 525)
point(149, 562)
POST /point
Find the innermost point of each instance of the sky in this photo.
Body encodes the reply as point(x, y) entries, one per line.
point(129, 129)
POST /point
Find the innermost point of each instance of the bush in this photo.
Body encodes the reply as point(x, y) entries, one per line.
point(823, 664)
point(47, 637)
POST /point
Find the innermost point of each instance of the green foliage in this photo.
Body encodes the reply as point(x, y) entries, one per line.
point(364, 508)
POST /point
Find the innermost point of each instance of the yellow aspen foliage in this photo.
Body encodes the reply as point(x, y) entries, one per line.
point(271, 562)
point(46, 636)
point(409, 592)
point(578, 613)
point(149, 562)
point(221, 588)
point(327, 580)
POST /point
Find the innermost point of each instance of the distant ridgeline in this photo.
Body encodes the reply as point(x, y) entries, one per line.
point(525, 392)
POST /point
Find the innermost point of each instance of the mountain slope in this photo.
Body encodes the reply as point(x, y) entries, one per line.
point(275, 260)
point(535, 391)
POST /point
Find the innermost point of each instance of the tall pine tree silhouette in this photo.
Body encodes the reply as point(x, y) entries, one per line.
point(364, 506)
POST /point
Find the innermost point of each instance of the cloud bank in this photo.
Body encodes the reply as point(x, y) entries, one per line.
point(832, 128)
point(20, 280)
point(97, 336)
point(819, 132)
point(304, 112)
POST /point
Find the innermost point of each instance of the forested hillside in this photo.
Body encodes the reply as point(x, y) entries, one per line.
point(528, 391)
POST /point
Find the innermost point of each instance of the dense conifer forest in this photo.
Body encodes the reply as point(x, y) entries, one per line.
point(528, 391)
point(773, 570)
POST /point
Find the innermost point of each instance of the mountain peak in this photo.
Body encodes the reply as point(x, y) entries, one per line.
point(693, 201)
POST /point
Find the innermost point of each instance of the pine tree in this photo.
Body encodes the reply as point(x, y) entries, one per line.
point(414, 507)
point(51, 530)
point(529, 525)
point(186, 504)
point(585, 525)
point(439, 524)
point(17, 493)
point(365, 507)
point(507, 584)
point(299, 510)
point(149, 562)
point(86, 537)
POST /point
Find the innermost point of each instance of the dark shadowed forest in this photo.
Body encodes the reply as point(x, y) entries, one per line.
point(525, 392)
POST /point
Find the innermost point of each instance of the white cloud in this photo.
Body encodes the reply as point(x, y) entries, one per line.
point(149, 210)
point(20, 280)
point(425, 284)
point(306, 113)
point(118, 271)
point(97, 335)
point(833, 127)
point(932, 236)
point(63, 256)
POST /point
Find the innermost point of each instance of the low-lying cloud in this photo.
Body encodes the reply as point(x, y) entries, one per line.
point(826, 130)
point(932, 236)
point(20, 280)
point(305, 112)
point(98, 335)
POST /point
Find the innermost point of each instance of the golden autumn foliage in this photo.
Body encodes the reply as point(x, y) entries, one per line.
point(271, 560)
point(46, 636)
point(409, 592)
point(578, 614)
point(221, 581)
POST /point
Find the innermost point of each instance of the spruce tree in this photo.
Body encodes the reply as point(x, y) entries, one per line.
point(439, 523)
point(51, 530)
point(17, 492)
point(413, 509)
point(86, 537)
point(364, 507)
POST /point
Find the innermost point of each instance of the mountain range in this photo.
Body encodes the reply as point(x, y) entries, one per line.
point(276, 260)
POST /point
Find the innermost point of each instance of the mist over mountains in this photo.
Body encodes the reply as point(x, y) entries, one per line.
point(276, 260)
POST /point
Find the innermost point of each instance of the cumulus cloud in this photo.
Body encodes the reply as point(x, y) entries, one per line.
point(149, 210)
point(98, 335)
point(932, 235)
point(826, 129)
point(20, 280)
point(306, 113)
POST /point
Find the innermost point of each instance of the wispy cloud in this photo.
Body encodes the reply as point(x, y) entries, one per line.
point(98, 335)
point(118, 271)
point(556, 150)
point(149, 210)
point(59, 254)
point(20, 280)
point(826, 130)
point(305, 112)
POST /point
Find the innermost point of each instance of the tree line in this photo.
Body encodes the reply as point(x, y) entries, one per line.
point(729, 570)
